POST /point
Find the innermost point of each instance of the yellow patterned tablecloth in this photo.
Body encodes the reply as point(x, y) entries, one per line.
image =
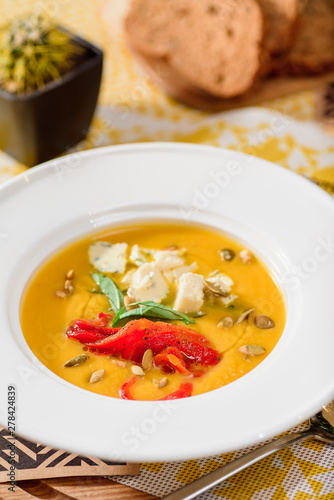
point(284, 131)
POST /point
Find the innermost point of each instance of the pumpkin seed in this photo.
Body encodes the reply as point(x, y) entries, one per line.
point(96, 376)
point(226, 322)
point(160, 383)
point(70, 275)
point(78, 360)
point(171, 248)
point(127, 301)
point(163, 382)
point(252, 350)
point(68, 287)
point(263, 322)
point(60, 294)
point(244, 316)
point(246, 256)
point(218, 291)
point(227, 254)
point(119, 363)
point(137, 370)
point(147, 361)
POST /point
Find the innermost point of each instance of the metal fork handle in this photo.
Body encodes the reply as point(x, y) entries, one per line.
point(206, 482)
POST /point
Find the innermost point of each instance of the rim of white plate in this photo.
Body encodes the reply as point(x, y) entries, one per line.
point(280, 215)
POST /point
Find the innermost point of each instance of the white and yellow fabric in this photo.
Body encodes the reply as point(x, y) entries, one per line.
point(284, 131)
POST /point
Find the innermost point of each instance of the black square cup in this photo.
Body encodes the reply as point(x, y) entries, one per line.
point(45, 123)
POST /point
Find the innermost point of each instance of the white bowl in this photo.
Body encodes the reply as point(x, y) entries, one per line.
point(284, 218)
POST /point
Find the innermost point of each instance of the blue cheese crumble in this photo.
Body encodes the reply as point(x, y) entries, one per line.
point(108, 258)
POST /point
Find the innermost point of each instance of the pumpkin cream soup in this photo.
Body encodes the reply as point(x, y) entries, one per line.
point(153, 312)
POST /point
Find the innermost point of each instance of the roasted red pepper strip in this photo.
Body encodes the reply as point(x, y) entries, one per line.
point(125, 389)
point(95, 325)
point(176, 363)
point(88, 331)
point(105, 317)
point(191, 334)
point(84, 336)
point(184, 391)
point(172, 357)
point(131, 341)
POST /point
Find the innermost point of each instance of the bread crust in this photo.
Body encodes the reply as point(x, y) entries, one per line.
point(280, 17)
point(215, 45)
point(313, 50)
point(148, 22)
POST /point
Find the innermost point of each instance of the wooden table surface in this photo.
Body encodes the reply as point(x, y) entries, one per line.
point(72, 488)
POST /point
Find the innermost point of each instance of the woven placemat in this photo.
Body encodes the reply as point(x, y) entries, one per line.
point(21, 459)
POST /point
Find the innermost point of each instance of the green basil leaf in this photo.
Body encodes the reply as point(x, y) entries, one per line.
point(111, 290)
point(146, 308)
point(138, 311)
point(200, 314)
point(177, 314)
point(153, 310)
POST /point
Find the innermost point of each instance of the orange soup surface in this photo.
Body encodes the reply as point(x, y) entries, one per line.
point(153, 311)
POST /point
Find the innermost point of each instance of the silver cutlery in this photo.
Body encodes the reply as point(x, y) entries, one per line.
point(321, 428)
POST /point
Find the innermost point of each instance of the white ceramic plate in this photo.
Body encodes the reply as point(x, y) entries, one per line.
point(282, 217)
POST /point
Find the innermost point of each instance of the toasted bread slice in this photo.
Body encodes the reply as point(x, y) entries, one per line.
point(149, 22)
point(215, 45)
point(280, 17)
point(313, 49)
